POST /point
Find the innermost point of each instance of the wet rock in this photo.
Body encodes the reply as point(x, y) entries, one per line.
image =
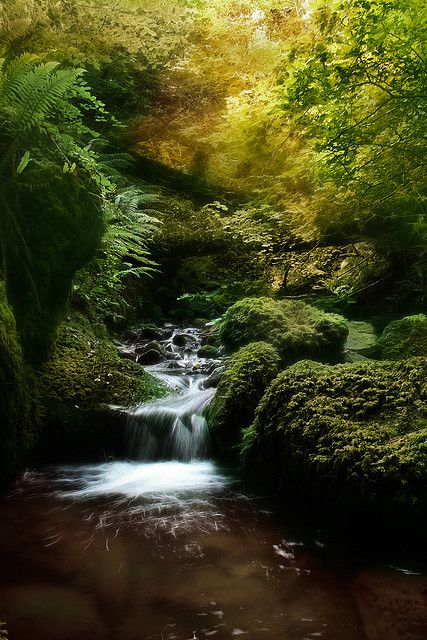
point(167, 332)
point(214, 378)
point(150, 346)
point(149, 332)
point(130, 335)
point(209, 339)
point(179, 339)
point(354, 356)
point(361, 338)
point(174, 365)
point(150, 357)
point(127, 352)
point(207, 351)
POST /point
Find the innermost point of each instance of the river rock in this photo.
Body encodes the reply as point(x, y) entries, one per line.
point(209, 339)
point(180, 339)
point(150, 357)
point(361, 338)
point(127, 352)
point(130, 335)
point(207, 351)
point(149, 332)
point(214, 378)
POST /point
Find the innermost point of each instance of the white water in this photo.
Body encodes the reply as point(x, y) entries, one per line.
point(132, 480)
point(168, 485)
point(174, 428)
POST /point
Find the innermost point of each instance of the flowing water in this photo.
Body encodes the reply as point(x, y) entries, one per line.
point(168, 546)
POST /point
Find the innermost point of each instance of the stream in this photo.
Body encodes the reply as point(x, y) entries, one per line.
point(168, 545)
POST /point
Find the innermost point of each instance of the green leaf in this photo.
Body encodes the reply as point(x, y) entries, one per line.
point(23, 162)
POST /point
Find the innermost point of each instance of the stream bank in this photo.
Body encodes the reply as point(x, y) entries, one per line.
point(167, 544)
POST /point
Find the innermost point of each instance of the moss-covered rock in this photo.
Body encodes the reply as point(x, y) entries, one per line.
point(86, 369)
point(207, 351)
point(294, 328)
point(61, 224)
point(242, 386)
point(350, 438)
point(18, 421)
point(83, 386)
point(404, 338)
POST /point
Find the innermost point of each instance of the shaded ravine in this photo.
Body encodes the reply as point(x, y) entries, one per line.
point(167, 545)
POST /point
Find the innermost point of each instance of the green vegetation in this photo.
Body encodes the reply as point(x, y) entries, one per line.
point(242, 386)
point(260, 161)
point(294, 328)
point(17, 407)
point(404, 338)
point(85, 368)
point(83, 387)
point(349, 438)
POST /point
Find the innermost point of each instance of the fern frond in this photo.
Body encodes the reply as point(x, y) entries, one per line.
point(33, 94)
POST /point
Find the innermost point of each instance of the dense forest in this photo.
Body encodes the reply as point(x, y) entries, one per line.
point(241, 184)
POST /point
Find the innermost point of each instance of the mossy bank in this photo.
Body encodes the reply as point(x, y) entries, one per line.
point(347, 439)
point(86, 387)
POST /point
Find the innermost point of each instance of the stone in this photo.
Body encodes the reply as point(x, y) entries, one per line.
point(361, 337)
point(150, 357)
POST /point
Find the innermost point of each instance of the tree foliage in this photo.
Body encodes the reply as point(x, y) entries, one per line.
point(359, 92)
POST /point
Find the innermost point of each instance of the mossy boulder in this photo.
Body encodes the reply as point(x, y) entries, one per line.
point(242, 385)
point(18, 419)
point(349, 438)
point(294, 328)
point(61, 225)
point(404, 338)
point(207, 351)
point(83, 386)
point(85, 368)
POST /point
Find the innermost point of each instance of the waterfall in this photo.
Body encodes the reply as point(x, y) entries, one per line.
point(174, 427)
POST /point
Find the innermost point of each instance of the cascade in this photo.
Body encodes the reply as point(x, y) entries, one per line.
point(174, 427)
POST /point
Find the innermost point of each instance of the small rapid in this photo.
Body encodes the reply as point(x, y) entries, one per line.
point(174, 427)
point(166, 545)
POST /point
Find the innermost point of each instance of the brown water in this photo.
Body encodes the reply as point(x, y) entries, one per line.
point(173, 551)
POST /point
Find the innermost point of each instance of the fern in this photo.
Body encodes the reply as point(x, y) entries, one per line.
point(130, 230)
point(32, 95)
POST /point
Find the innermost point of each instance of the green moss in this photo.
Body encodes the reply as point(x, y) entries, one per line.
point(242, 386)
point(85, 368)
point(294, 328)
point(349, 437)
point(18, 423)
point(207, 351)
point(404, 338)
point(61, 227)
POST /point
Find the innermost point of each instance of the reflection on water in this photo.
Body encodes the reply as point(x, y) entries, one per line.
point(172, 551)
